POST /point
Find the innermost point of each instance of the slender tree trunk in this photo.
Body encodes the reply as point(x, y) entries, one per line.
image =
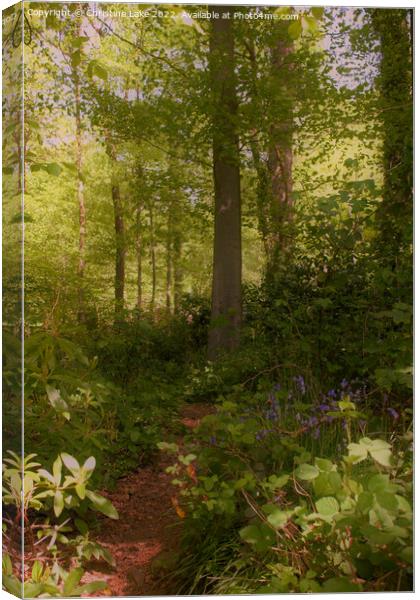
point(152, 257)
point(80, 197)
point(169, 259)
point(139, 257)
point(280, 158)
point(227, 260)
point(120, 244)
point(178, 278)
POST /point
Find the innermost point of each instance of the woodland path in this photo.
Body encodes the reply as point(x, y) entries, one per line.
point(148, 529)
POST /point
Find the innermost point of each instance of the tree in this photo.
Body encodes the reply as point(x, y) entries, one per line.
point(226, 311)
point(396, 114)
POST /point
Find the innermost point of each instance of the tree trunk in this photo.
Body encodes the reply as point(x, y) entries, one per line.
point(169, 260)
point(139, 257)
point(227, 261)
point(120, 245)
point(280, 156)
point(80, 198)
point(152, 257)
point(178, 279)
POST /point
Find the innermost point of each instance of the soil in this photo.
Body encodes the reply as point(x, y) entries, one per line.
point(148, 530)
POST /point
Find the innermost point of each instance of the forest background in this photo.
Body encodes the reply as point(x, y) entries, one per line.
point(218, 212)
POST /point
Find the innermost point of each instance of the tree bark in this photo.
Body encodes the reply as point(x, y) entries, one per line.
point(280, 157)
point(152, 258)
point(226, 311)
point(139, 257)
point(80, 198)
point(178, 278)
point(169, 259)
point(120, 244)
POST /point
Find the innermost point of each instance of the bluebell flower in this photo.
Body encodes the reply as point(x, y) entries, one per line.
point(332, 393)
point(324, 407)
point(300, 382)
point(260, 435)
point(393, 413)
point(312, 421)
point(344, 383)
point(213, 440)
point(316, 433)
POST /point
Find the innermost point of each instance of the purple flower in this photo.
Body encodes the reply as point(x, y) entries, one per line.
point(213, 440)
point(316, 433)
point(332, 393)
point(312, 421)
point(393, 413)
point(260, 435)
point(324, 407)
point(300, 382)
point(277, 387)
point(344, 383)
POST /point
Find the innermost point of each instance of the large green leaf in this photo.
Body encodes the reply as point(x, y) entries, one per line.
point(102, 504)
point(306, 472)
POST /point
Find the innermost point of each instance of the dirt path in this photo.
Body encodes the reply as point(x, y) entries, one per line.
point(148, 527)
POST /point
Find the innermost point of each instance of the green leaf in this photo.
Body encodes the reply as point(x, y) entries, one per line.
point(317, 11)
point(324, 464)
point(81, 525)
point(261, 537)
point(102, 504)
point(365, 502)
point(56, 400)
point(80, 490)
point(12, 585)
point(57, 467)
point(90, 588)
point(306, 472)
point(295, 29)
point(32, 590)
point(357, 452)
point(53, 169)
point(7, 568)
point(58, 503)
point(168, 447)
point(89, 465)
point(340, 584)
point(100, 71)
point(72, 580)
point(278, 518)
point(76, 58)
point(37, 570)
point(328, 506)
point(71, 463)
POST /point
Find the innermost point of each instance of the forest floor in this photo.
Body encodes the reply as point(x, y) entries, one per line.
point(148, 531)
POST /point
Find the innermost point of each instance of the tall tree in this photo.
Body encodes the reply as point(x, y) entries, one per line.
point(396, 113)
point(226, 312)
point(120, 245)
